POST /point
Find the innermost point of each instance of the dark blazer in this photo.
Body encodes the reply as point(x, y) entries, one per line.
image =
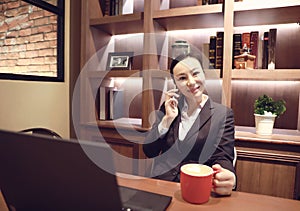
point(209, 141)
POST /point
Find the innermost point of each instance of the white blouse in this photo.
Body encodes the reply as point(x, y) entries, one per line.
point(186, 121)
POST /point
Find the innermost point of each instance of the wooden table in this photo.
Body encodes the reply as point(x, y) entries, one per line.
point(237, 201)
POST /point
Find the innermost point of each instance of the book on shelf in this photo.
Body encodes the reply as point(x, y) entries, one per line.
point(219, 50)
point(164, 4)
point(246, 40)
point(107, 8)
point(116, 103)
point(254, 38)
point(104, 102)
point(237, 46)
point(128, 6)
point(212, 52)
point(111, 103)
point(265, 52)
point(205, 53)
point(185, 3)
point(118, 7)
point(272, 48)
point(213, 2)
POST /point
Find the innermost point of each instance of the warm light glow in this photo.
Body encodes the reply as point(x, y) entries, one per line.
point(266, 27)
point(123, 36)
point(263, 83)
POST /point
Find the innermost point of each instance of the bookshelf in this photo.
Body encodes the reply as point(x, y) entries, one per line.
point(153, 31)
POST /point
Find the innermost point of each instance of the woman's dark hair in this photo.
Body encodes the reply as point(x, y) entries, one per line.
point(179, 58)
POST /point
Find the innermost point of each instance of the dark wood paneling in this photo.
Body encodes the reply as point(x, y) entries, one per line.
point(244, 94)
point(270, 168)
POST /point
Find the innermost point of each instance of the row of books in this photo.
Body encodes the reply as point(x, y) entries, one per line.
point(205, 2)
point(245, 42)
point(111, 105)
point(216, 50)
point(120, 7)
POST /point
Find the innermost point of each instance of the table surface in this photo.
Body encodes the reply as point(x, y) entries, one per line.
point(237, 201)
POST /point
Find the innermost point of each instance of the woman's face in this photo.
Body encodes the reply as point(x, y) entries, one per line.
point(189, 78)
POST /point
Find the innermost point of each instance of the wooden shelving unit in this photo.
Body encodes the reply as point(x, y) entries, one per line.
point(266, 75)
point(98, 31)
point(122, 24)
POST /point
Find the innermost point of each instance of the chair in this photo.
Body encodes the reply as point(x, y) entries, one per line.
point(41, 131)
point(235, 156)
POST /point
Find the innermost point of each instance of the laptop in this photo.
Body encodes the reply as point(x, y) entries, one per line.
point(42, 173)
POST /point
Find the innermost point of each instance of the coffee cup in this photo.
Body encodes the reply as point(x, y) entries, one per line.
point(196, 182)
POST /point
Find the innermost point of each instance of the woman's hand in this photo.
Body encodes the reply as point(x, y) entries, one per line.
point(223, 181)
point(171, 103)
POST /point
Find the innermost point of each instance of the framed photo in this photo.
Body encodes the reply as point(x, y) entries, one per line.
point(119, 61)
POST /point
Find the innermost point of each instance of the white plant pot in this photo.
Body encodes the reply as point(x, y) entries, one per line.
point(264, 124)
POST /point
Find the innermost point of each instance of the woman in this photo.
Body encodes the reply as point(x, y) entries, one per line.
point(191, 128)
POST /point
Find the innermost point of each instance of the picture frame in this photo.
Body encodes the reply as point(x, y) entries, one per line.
point(119, 61)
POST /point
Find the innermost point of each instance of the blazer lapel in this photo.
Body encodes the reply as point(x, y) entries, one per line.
point(204, 115)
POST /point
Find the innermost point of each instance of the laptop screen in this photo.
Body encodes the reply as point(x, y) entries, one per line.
point(41, 173)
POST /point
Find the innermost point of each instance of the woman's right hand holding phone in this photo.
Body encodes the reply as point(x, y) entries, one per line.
point(171, 103)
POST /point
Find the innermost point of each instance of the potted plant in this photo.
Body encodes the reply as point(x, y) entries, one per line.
point(265, 111)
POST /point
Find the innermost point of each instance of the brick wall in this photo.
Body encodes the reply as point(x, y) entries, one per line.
point(28, 39)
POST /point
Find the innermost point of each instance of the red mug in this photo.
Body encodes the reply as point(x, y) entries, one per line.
point(196, 182)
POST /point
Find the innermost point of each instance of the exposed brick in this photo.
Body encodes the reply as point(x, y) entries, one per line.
point(45, 28)
point(46, 52)
point(31, 54)
point(36, 38)
point(30, 46)
point(16, 48)
point(37, 61)
point(50, 60)
point(24, 10)
point(53, 43)
point(12, 55)
point(51, 36)
point(53, 67)
point(25, 32)
point(48, 14)
point(53, 19)
point(36, 15)
point(14, 22)
point(12, 34)
point(38, 68)
point(22, 55)
point(22, 40)
point(3, 26)
point(4, 49)
point(24, 62)
point(11, 13)
point(26, 24)
point(41, 21)
point(42, 45)
point(11, 62)
point(23, 3)
point(34, 30)
point(13, 4)
point(10, 41)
